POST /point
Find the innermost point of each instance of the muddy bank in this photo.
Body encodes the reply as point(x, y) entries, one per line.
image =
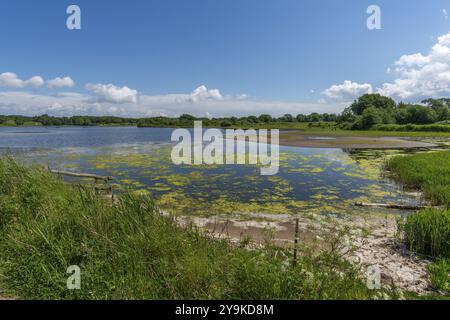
point(375, 247)
point(297, 139)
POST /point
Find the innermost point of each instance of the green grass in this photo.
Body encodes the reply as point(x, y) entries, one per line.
point(439, 272)
point(129, 251)
point(429, 172)
point(331, 129)
point(413, 127)
point(428, 232)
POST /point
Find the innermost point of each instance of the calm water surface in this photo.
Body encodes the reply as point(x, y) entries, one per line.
point(325, 181)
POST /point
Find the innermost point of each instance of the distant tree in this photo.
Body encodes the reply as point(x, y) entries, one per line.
point(187, 117)
point(421, 115)
point(252, 119)
point(372, 100)
point(286, 118)
point(440, 106)
point(314, 117)
point(225, 124)
point(301, 118)
point(265, 118)
point(347, 116)
point(371, 117)
point(401, 114)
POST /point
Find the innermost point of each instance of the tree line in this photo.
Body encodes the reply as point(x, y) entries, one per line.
point(46, 120)
point(364, 113)
point(370, 110)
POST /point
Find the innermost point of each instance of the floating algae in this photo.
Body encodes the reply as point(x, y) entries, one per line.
point(310, 181)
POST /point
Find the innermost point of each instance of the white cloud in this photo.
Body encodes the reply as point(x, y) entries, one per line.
point(420, 76)
point(347, 91)
point(211, 105)
point(445, 13)
point(60, 82)
point(411, 60)
point(417, 75)
point(11, 80)
point(111, 93)
point(202, 93)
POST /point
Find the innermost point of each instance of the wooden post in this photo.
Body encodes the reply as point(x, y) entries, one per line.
point(296, 239)
point(112, 194)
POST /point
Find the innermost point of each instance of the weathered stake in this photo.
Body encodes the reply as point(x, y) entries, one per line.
point(296, 239)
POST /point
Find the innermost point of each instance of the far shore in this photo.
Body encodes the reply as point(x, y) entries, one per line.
point(299, 139)
point(316, 138)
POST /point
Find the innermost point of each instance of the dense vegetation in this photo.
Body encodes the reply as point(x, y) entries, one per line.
point(372, 110)
point(428, 232)
point(46, 120)
point(129, 251)
point(429, 172)
point(182, 121)
point(438, 127)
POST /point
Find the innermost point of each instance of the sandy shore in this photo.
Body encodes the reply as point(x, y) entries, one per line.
point(297, 139)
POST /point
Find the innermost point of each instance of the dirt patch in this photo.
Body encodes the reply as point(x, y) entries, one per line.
point(397, 266)
point(379, 250)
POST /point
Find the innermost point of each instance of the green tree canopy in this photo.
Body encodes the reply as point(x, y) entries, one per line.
point(374, 100)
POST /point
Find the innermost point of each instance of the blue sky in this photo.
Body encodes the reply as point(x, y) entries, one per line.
point(255, 53)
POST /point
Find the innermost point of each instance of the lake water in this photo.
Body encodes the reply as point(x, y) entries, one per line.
point(320, 181)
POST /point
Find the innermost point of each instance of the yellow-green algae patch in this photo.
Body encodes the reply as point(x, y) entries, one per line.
point(325, 182)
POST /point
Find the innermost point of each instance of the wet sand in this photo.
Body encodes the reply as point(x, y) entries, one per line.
point(297, 139)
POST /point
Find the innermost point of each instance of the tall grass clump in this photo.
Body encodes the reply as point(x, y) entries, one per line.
point(429, 172)
point(428, 232)
point(128, 251)
point(440, 274)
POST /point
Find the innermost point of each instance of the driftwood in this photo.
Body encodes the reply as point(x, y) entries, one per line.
point(393, 206)
point(82, 175)
point(97, 187)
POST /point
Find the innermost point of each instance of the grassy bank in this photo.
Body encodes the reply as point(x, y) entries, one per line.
point(429, 172)
point(130, 252)
point(413, 128)
point(428, 232)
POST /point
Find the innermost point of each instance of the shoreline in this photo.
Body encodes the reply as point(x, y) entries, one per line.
point(398, 266)
point(295, 139)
